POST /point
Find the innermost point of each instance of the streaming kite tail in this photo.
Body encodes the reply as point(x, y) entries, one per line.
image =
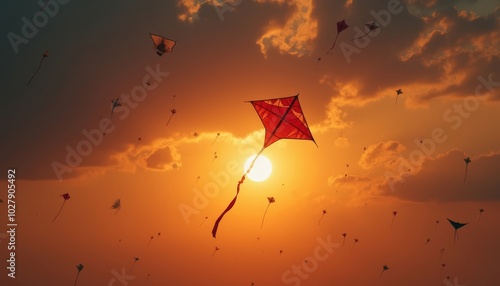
point(76, 280)
point(59, 211)
point(343, 242)
point(39, 66)
point(172, 115)
point(214, 140)
point(361, 36)
point(335, 41)
point(132, 267)
point(396, 100)
point(465, 177)
point(319, 222)
point(231, 204)
point(262, 223)
point(392, 221)
point(479, 219)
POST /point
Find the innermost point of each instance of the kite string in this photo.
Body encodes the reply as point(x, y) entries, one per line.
point(76, 280)
point(59, 211)
point(262, 223)
point(39, 66)
point(231, 204)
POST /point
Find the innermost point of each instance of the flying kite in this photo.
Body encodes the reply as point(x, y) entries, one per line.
point(204, 220)
point(65, 197)
point(150, 238)
point(427, 241)
point(398, 92)
point(162, 45)
point(283, 119)
point(172, 111)
point(344, 235)
point(355, 241)
point(319, 60)
point(117, 205)
point(217, 136)
point(114, 104)
point(135, 260)
point(467, 161)
point(324, 212)
point(271, 201)
point(480, 213)
point(394, 213)
point(215, 157)
point(341, 26)
point(370, 27)
point(384, 268)
point(281, 251)
point(158, 235)
point(435, 228)
point(79, 267)
point(456, 226)
point(147, 278)
point(45, 55)
point(216, 248)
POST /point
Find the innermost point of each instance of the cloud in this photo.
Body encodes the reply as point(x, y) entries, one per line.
point(296, 35)
point(355, 190)
point(382, 155)
point(441, 179)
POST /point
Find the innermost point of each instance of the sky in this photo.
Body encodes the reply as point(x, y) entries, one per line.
point(388, 169)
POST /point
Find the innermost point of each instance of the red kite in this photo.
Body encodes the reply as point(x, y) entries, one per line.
point(341, 26)
point(398, 92)
point(324, 212)
point(371, 27)
point(45, 55)
point(456, 226)
point(394, 213)
point(271, 200)
point(117, 205)
point(355, 241)
point(65, 197)
point(283, 119)
point(172, 111)
point(467, 161)
point(114, 104)
point(79, 267)
point(150, 238)
point(162, 45)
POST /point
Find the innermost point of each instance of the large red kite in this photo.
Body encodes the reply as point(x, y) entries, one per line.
point(283, 119)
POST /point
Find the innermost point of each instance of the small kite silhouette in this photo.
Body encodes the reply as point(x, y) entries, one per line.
point(65, 197)
point(341, 26)
point(355, 241)
point(217, 136)
point(117, 205)
point(384, 268)
point(344, 235)
point(216, 249)
point(162, 45)
point(394, 213)
point(322, 215)
point(135, 260)
point(79, 267)
point(215, 157)
point(456, 226)
point(398, 92)
point(271, 201)
point(45, 55)
point(204, 220)
point(371, 27)
point(172, 111)
point(467, 161)
point(480, 213)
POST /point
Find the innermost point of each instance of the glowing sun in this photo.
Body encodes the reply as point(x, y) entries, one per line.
point(261, 169)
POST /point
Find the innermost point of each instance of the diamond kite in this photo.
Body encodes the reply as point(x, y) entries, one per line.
point(162, 45)
point(341, 26)
point(65, 197)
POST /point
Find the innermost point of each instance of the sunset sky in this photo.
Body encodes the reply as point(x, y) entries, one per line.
point(374, 155)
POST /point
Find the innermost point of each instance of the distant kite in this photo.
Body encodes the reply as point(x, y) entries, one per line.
point(65, 197)
point(217, 136)
point(150, 238)
point(117, 205)
point(456, 226)
point(394, 213)
point(324, 212)
point(398, 92)
point(355, 241)
point(384, 268)
point(216, 249)
point(172, 111)
point(370, 27)
point(480, 213)
point(427, 241)
point(281, 251)
point(467, 161)
point(162, 45)
point(79, 267)
point(215, 157)
point(45, 55)
point(341, 26)
point(344, 235)
point(114, 104)
point(435, 227)
point(135, 260)
point(204, 220)
point(319, 60)
point(283, 119)
point(271, 201)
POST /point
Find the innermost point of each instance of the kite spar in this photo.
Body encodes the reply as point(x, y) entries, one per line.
point(283, 119)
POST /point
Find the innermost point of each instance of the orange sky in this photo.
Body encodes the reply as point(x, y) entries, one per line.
point(445, 58)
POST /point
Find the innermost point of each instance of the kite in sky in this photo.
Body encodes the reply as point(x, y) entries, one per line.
point(117, 205)
point(435, 228)
point(384, 268)
point(319, 60)
point(467, 161)
point(172, 111)
point(204, 220)
point(324, 212)
point(398, 92)
point(480, 213)
point(45, 55)
point(114, 104)
point(344, 235)
point(271, 201)
point(456, 226)
point(150, 238)
point(79, 267)
point(370, 27)
point(355, 241)
point(394, 213)
point(283, 119)
point(341, 26)
point(135, 260)
point(162, 45)
point(216, 248)
point(427, 241)
point(65, 197)
point(217, 136)
point(215, 157)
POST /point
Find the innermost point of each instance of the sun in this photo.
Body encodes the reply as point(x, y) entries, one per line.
point(261, 169)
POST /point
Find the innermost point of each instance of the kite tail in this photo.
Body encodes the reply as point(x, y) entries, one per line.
point(396, 99)
point(231, 204)
point(170, 119)
point(361, 36)
point(262, 223)
point(39, 66)
point(214, 140)
point(381, 274)
point(392, 221)
point(465, 177)
point(132, 267)
point(343, 242)
point(335, 41)
point(59, 211)
point(76, 280)
point(319, 222)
